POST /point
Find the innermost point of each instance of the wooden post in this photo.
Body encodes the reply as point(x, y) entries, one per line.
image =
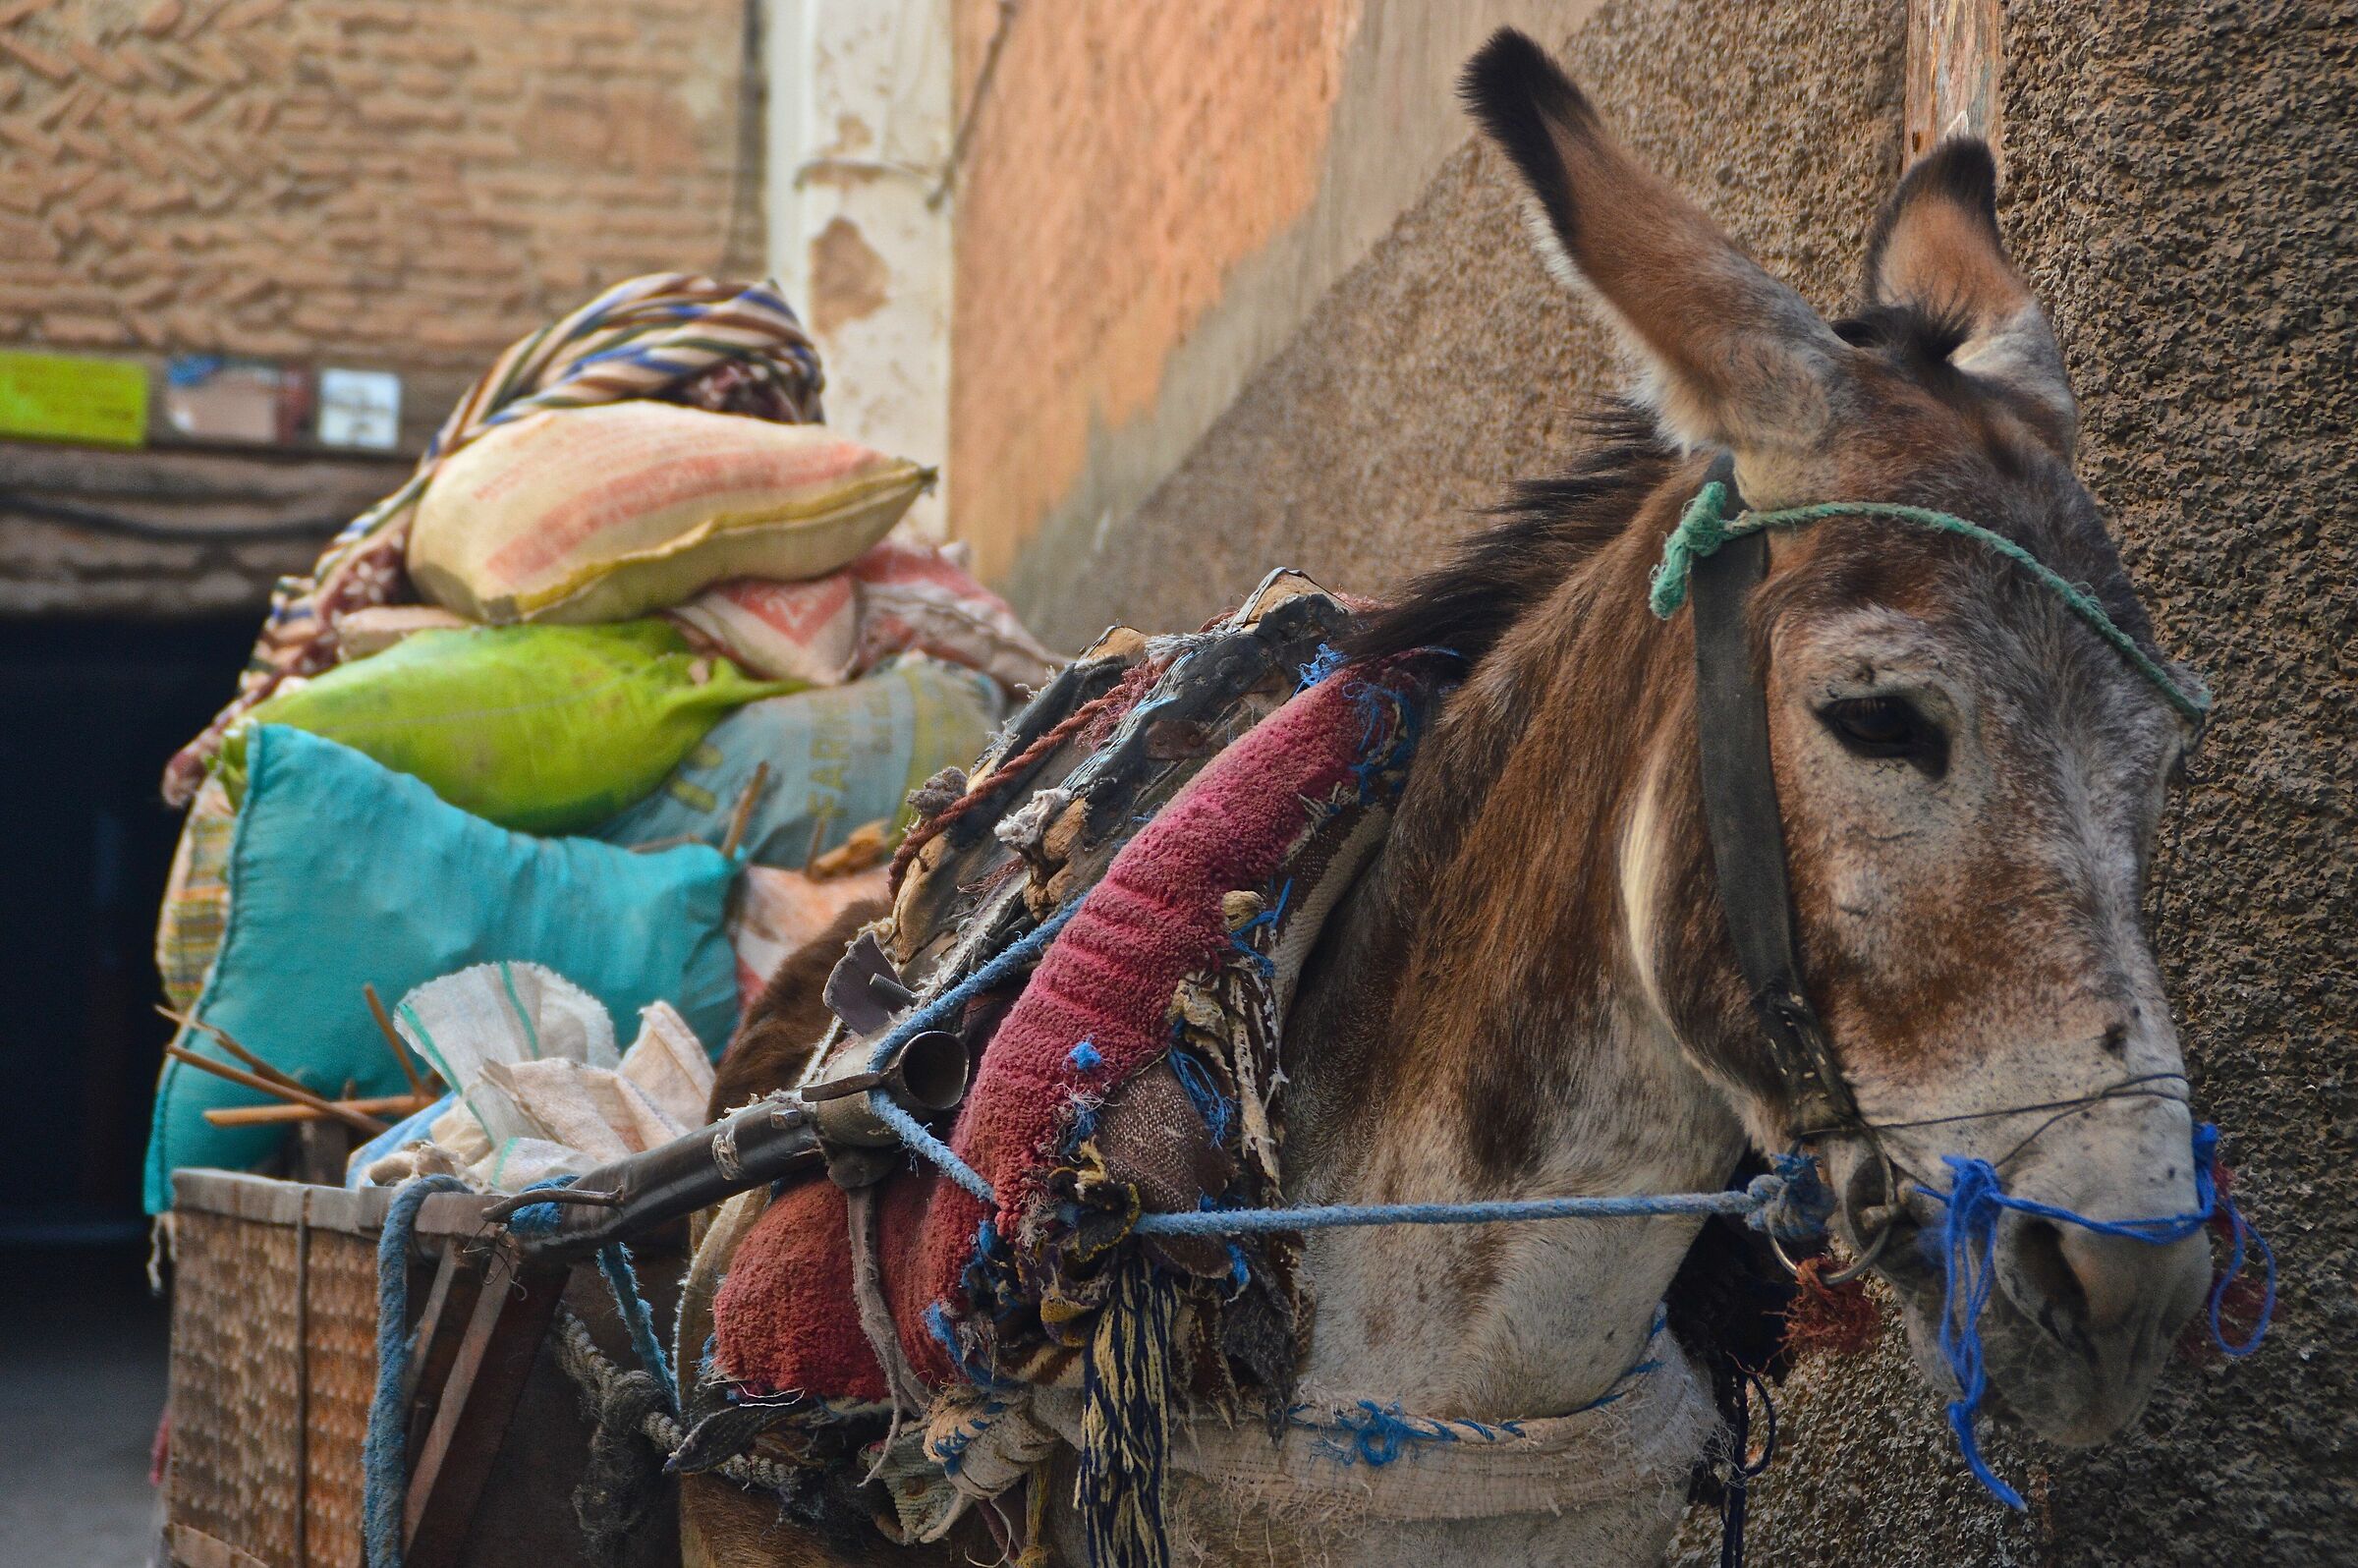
point(441, 1328)
point(1954, 57)
point(509, 1318)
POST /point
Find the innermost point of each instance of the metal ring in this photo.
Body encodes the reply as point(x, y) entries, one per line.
point(1875, 1247)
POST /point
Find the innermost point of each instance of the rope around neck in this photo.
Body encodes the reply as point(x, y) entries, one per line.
point(1705, 527)
point(1975, 1202)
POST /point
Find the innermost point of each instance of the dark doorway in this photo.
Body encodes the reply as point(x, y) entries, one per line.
point(89, 712)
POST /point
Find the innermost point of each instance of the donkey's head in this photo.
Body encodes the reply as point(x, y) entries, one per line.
point(1969, 780)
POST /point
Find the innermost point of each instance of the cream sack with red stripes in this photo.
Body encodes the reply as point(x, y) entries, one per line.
point(601, 514)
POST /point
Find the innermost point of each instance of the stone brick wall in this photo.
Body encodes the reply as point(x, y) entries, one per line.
point(1151, 201)
point(1105, 196)
point(397, 184)
point(403, 185)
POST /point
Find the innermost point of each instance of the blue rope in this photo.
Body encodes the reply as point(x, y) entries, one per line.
point(1377, 1436)
point(385, 1457)
point(933, 1015)
point(1772, 1201)
point(614, 1261)
point(1789, 1202)
point(538, 1219)
point(1975, 1202)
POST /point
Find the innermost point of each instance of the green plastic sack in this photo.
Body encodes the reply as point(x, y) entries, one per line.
point(543, 729)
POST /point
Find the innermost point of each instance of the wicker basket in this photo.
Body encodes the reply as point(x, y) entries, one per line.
point(273, 1358)
point(273, 1362)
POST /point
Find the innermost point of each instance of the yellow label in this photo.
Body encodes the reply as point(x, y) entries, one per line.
point(72, 397)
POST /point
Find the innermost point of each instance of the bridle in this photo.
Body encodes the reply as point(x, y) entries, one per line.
point(1747, 829)
point(1748, 852)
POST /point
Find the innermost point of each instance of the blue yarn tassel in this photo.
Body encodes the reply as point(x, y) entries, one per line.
point(1975, 1201)
point(1126, 1395)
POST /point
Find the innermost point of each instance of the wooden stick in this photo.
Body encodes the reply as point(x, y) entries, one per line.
point(384, 1024)
point(228, 1043)
point(299, 1095)
point(276, 1115)
point(744, 814)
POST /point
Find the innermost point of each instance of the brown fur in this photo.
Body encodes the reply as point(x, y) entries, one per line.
point(774, 1043)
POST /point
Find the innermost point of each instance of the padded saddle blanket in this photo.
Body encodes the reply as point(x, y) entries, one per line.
point(1213, 797)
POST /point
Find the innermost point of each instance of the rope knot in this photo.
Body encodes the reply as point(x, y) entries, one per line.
point(1793, 1204)
point(1700, 531)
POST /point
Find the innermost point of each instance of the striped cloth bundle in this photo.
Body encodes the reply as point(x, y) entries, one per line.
point(727, 347)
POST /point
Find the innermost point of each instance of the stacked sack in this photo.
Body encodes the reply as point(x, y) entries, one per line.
point(610, 685)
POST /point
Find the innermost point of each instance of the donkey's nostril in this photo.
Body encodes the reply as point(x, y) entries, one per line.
point(2115, 1275)
point(2041, 1262)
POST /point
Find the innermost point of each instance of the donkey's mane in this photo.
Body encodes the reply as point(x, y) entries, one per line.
point(1543, 531)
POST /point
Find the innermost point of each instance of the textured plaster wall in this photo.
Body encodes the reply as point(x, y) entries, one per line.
point(2181, 191)
point(1151, 201)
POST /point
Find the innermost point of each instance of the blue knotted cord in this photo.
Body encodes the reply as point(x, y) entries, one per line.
point(1975, 1202)
point(621, 1280)
point(384, 1450)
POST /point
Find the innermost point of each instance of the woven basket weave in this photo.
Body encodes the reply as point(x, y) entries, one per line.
point(273, 1360)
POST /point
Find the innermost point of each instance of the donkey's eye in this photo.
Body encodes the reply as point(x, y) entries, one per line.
point(1888, 726)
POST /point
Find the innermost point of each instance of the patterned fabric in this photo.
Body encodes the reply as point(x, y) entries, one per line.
point(196, 910)
point(725, 347)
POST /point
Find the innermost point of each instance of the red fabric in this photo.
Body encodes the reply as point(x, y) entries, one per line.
point(785, 1316)
point(789, 1288)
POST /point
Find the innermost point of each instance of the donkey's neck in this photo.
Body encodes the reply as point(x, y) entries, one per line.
point(1483, 1022)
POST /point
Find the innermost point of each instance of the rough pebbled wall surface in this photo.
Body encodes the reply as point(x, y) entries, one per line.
point(2181, 189)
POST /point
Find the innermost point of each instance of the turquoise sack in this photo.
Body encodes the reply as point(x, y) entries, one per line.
point(343, 872)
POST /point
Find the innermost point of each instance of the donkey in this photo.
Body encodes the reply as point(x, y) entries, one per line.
point(1532, 990)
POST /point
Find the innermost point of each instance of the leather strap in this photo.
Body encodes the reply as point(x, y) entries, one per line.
point(1747, 830)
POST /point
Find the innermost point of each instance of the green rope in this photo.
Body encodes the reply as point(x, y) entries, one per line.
point(1705, 526)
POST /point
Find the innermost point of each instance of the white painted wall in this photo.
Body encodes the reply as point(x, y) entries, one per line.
point(860, 129)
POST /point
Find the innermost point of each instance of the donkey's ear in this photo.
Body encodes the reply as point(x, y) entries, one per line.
point(1937, 247)
point(1732, 356)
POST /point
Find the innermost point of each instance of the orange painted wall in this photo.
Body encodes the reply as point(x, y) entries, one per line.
point(1123, 160)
